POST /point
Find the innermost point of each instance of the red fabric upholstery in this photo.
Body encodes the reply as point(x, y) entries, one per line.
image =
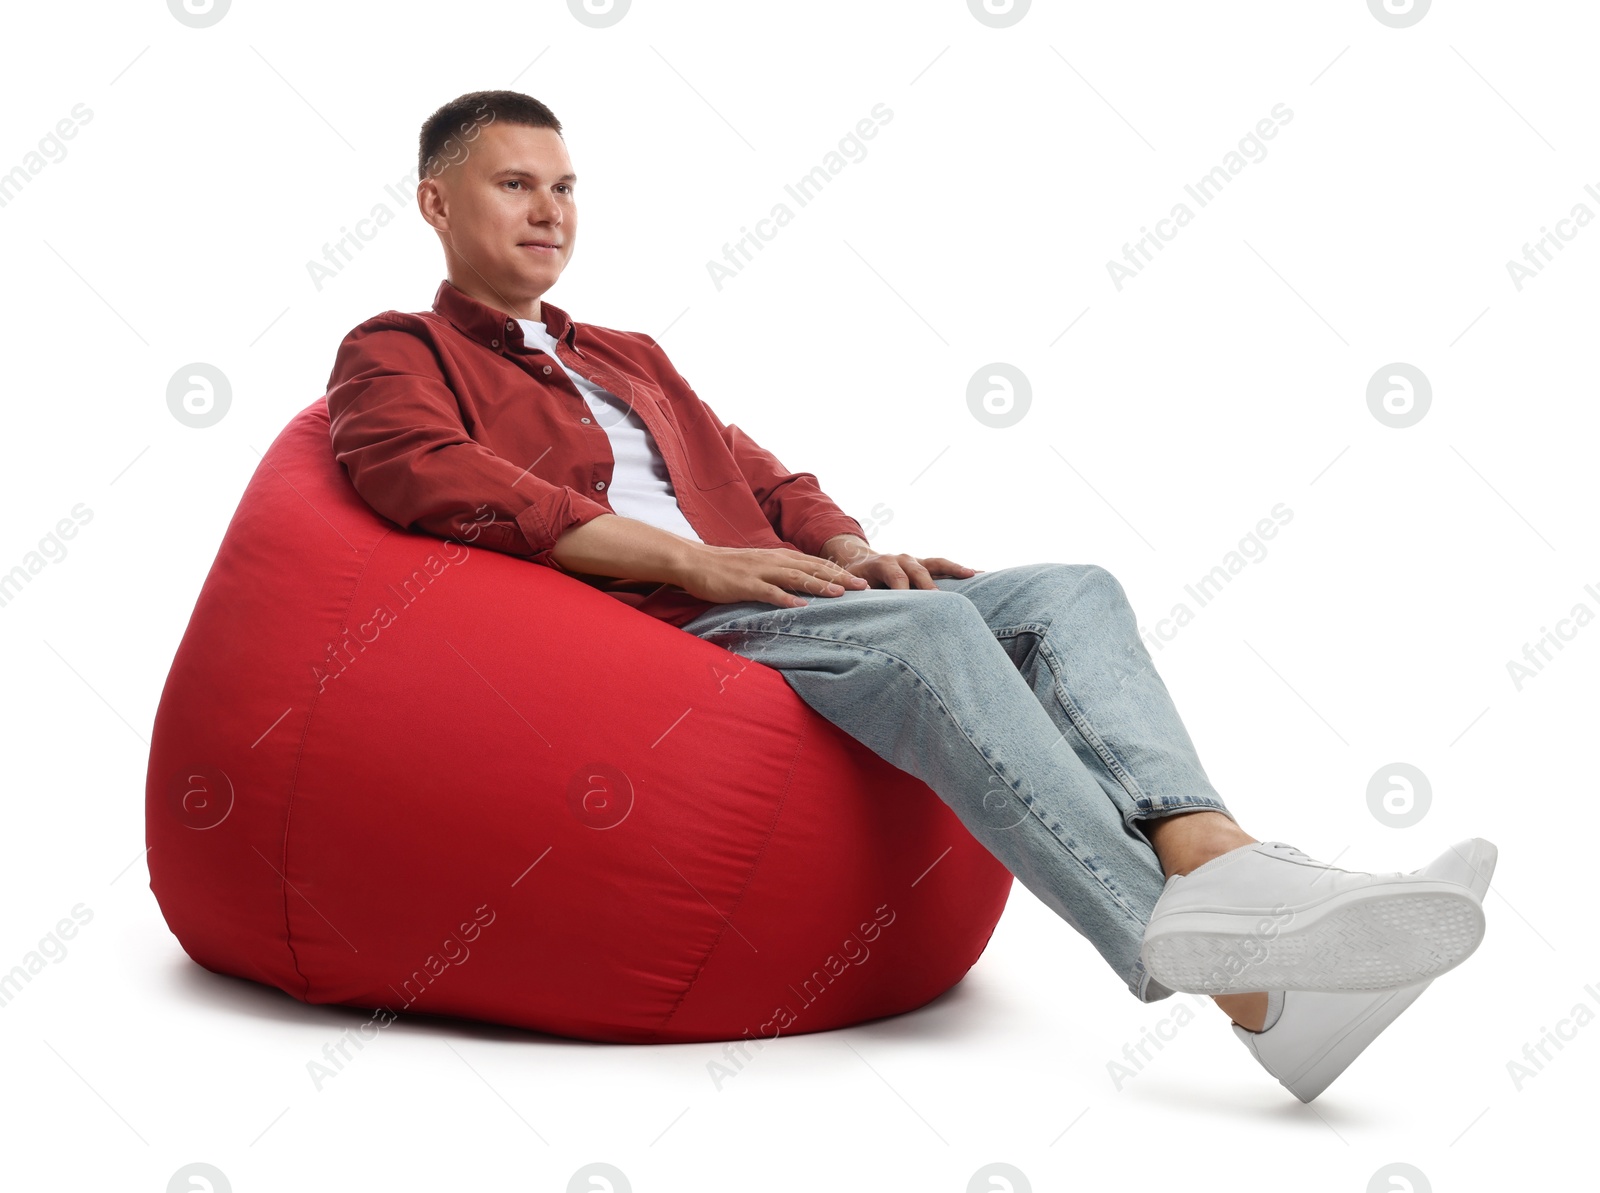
point(389, 770)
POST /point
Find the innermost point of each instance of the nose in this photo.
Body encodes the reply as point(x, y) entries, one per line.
point(544, 209)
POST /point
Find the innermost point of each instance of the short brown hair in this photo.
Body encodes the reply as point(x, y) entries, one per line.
point(439, 143)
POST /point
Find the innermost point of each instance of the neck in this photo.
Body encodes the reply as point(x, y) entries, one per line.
point(518, 308)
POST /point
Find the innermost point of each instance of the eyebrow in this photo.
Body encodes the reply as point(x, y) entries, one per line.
point(515, 173)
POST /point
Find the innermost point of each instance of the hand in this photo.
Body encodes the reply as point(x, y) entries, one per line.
point(723, 575)
point(891, 571)
point(905, 571)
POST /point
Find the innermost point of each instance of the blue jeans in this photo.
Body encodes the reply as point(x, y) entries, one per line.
point(975, 687)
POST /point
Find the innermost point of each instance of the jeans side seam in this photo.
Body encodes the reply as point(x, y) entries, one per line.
point(1081, 723)
point(1114, 765)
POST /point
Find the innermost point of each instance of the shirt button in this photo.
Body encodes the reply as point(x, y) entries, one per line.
point(599, 484)
point(547, 368)
point(584, 420)
point(508, 325)
point(494, 343)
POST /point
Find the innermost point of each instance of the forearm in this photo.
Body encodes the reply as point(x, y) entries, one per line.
point(612, 545)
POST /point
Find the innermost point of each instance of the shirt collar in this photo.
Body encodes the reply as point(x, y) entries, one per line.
point(495, 329)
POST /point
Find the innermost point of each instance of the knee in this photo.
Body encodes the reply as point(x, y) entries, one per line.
point(936, 610)
point(935, 618)
point(1081, 580)
point(1086, 592)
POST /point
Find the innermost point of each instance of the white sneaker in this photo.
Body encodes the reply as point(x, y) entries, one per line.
point(1267, 917)
point(1311, 1037)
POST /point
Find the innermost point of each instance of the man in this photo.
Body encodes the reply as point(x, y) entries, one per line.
point(497, 418)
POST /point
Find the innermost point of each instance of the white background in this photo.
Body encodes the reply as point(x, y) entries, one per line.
point(1228, 376)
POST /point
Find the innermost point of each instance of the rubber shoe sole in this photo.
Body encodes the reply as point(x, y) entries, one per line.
point(1380, 937)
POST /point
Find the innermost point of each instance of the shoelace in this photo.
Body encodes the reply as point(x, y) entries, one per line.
point(1288, 850)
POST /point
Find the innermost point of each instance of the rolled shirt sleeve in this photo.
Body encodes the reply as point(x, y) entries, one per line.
point(397, 429)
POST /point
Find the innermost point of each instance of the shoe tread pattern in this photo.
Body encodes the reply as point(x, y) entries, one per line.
point(1376, 945)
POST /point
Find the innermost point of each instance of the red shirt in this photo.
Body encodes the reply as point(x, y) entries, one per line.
point(448, 425)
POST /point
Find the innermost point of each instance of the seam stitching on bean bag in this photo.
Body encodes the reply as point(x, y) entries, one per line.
point(294, 776)
point(783, 799)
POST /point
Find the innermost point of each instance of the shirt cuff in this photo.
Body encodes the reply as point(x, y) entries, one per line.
point(810, 537)
point(544, 522)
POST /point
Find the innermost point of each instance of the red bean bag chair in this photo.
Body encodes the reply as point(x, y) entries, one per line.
point(395, 771)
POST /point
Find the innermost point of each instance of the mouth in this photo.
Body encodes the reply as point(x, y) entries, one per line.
point(538, 246)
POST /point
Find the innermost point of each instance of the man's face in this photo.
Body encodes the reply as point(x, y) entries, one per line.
point(507, 214)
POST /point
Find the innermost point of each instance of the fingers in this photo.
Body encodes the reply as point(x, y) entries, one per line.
point(941, 566)
point(817, 576)
point(907, 571)
point(816, 585)
point(902, 571)
point(890, 573)
point(774, 595)
point(793, 578)
point(919, 574)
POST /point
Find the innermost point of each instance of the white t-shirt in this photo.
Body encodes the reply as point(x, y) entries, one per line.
point(640, 485)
